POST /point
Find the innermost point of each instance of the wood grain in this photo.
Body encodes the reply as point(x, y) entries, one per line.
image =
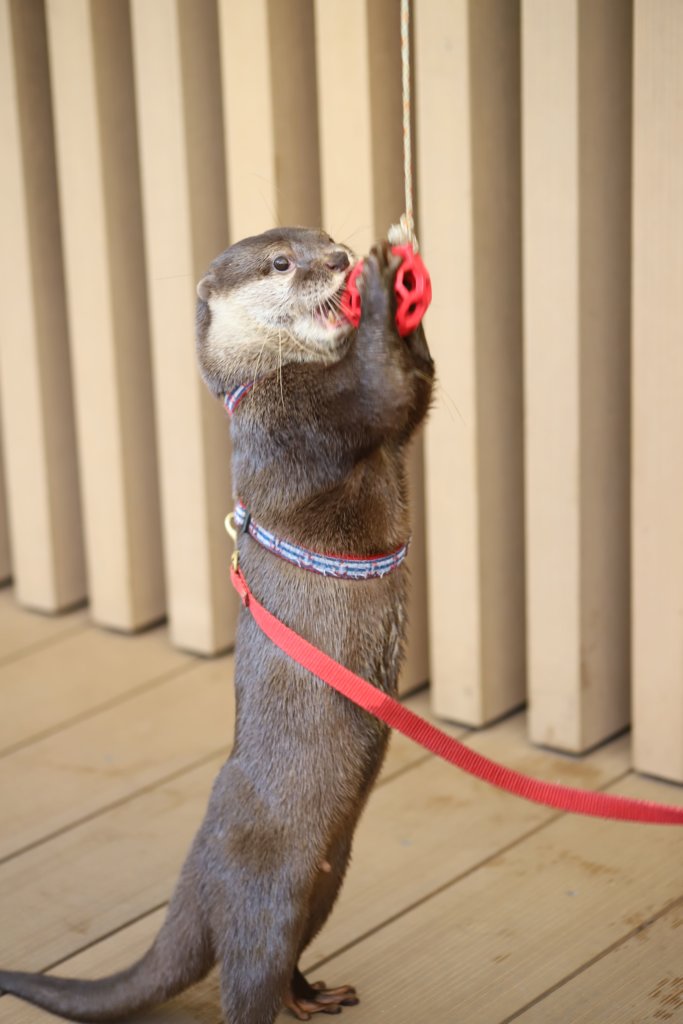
point(100, 204)
point(468, 155)
point(70, 672)
point(657, 487)
point(35, 379)
point(576, 158)
point(178, 90)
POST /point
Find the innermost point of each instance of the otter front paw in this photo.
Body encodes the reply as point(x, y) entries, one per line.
point(377, 285)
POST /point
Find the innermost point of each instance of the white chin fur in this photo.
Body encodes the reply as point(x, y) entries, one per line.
point(324, 338)
point(246, 315)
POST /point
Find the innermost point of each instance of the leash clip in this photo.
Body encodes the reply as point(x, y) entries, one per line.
point(231, 530)
point(234, 534)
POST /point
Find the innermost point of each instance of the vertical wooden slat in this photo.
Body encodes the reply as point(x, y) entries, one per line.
point(269, 97)
point(469, 172)
point(181, 147)
point(249, 139)
point(576, 145)
point(359, 76)
point(345, 123)
point(658, 389)
point(97, 159)
point(294, 96)
point(41, 466)
point(5, 557)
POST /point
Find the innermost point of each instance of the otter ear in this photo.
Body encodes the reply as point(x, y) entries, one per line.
point(205, 287)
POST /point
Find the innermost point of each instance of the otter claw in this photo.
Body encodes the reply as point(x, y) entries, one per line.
point(317, 998)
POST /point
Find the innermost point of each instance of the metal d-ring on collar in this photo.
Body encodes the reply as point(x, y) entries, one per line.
point(345, 567)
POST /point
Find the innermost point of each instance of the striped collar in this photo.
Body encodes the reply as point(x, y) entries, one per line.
point(233, 398)
point(348, 567)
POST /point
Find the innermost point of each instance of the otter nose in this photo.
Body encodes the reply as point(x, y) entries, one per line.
point(338, 260)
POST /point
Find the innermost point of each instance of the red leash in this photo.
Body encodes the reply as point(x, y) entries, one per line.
point(390, 711)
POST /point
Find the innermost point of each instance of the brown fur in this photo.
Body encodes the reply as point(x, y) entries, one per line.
point(319, 457)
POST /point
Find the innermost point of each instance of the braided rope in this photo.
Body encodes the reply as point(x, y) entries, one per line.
point(407, 127)
point(404, 231)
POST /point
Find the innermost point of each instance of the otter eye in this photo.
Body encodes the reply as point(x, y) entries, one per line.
point(281, 263)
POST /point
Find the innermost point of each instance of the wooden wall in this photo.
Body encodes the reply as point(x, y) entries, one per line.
point(143, 136)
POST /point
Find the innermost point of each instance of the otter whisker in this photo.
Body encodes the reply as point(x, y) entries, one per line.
point(282, 392)
point(258, 359)
point(448, 401)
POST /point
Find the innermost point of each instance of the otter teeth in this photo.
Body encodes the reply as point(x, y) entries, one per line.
point(327, 312)
point(328, 315)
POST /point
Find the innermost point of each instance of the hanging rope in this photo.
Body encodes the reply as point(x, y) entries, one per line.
point(407, 127)
point(404, 231)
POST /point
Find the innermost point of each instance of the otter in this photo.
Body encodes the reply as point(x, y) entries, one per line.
point(319, 457)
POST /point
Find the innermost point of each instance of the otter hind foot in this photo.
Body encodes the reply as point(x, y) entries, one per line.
point(303, 999)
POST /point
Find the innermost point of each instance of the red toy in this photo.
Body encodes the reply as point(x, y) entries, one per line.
point(412, 285)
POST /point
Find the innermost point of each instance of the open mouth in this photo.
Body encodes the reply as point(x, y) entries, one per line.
point(328, 312)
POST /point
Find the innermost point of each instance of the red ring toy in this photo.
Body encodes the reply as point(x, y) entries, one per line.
point(412, 286)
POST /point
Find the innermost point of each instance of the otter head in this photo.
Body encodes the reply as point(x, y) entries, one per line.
point(269, 300)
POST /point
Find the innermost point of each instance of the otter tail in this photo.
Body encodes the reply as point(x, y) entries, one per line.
point(180, 955)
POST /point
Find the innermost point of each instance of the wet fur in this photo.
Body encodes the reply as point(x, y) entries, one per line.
point(319, 457)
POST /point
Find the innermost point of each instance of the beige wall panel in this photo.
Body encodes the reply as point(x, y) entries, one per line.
point(576, 142)
point(467, 69)
point(361, 157)
point(249, 130)
point(97, 159)
point(35, 379)
point(5, 556)
point(658, 389)
point(269, 97)
point(178, 88)
point(294, 95)
point(345, 124)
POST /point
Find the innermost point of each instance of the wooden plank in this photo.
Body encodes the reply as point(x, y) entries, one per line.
point(520, 924)
point(96, 762)
point(21, 631)
point(434, 825)
point(112, 954)
point(294, 97)
point(94, 108)
point(359, 85)
point(183, 175)
point(359, 82)
point(271, 133)
point(576, 144)
point(249, 141)
point(657, 383)
point(152, 827)
point(5, 557)
point(35, 376)
point(347, 187)
point(74, 676)
point(175, 711)
point(638, 982)
point(469, 177)
point(408, 845)
point(131, 840)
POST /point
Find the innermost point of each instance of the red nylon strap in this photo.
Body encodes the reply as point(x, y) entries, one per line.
point(390, 711)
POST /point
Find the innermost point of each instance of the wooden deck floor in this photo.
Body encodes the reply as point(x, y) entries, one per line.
point(462, 904)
